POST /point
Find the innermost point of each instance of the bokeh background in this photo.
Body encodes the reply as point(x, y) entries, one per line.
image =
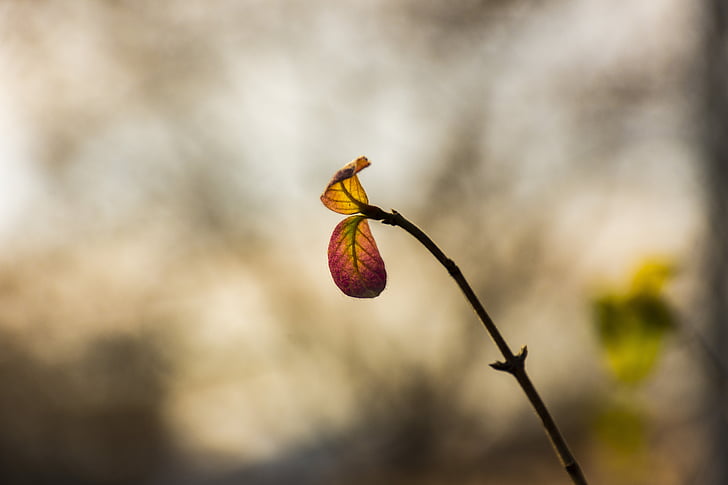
point(166, 312)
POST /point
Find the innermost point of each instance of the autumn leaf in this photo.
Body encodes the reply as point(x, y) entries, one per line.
point(344, 194)
point(354, 260)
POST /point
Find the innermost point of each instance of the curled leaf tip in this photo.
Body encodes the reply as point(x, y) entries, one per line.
point(354, 260)
point(349, 170)
point(344, 193)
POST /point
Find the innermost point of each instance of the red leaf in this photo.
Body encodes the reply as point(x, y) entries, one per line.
point(354, 260)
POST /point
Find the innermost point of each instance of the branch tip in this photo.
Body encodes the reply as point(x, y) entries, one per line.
point(501, 366)
point(522, 354)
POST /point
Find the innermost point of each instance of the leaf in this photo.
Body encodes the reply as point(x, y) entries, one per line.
point(354, 260)
point(632, 325)
point(344, 194)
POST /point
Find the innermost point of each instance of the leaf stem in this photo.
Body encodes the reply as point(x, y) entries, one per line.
point(514, 364)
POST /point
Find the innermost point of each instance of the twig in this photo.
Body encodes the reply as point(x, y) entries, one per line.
point(514, 364)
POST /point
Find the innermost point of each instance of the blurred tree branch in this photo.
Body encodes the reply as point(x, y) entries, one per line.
point(716, 159)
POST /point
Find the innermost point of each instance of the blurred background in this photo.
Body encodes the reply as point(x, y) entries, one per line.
point(166, 311)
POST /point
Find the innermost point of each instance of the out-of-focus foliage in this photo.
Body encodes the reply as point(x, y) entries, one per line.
point(622, 428)
point(632, 323)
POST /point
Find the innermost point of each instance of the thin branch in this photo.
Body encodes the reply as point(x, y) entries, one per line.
point(514, 364)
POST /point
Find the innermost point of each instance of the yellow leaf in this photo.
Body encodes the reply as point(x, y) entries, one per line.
point(344, 194)
point(632, 323)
